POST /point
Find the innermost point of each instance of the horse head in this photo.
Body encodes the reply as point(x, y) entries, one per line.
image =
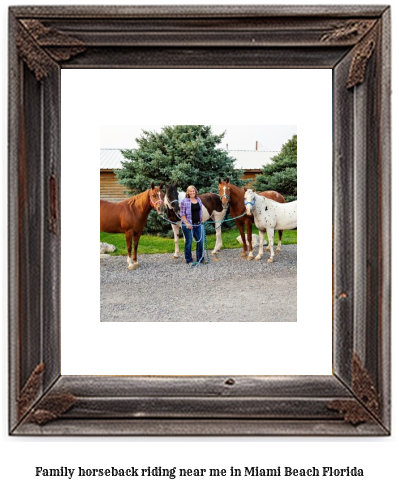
point(156, 198)
point(249, 200)
point(224, 192)
point(171, 200)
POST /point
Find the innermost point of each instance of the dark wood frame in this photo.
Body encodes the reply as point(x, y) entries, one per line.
point(353, 41)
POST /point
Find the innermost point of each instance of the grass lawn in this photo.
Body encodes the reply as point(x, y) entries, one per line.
point(153, 244)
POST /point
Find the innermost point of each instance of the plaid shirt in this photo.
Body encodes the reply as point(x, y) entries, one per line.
point(185, 209)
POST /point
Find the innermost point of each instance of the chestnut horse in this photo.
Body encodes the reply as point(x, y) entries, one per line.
point(130, 217)
point(212, 208)
point(234, 196)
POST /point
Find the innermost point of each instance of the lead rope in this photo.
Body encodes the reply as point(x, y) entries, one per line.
point(207, 221)
point(203, 235)
point(204, 247)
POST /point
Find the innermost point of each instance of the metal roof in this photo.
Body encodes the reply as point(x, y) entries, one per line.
point(245, 159)
point(251, 159)
point(110, 159)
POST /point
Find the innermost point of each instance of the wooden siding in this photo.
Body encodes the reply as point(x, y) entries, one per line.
point(251, 173)
point(110, 189)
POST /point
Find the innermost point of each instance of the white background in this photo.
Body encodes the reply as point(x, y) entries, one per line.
point(240, 97)
point(377, 456)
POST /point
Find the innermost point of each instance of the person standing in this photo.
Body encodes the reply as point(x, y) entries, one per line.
point(191, 215)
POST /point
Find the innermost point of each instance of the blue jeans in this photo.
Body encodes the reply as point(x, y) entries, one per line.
point(198, 233)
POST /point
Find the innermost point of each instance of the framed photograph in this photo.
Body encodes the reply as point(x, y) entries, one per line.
point(353, 44)
point(236, 152)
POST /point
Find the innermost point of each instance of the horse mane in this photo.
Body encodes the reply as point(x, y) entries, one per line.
point(137, 199)
point(235, 187)
point(131, 200)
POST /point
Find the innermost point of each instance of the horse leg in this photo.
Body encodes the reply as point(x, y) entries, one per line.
point(136, 237)
point(219, 239)
point(176, 228)
point(128, 237)
point(270, 236)
point(249, 237)
point(261, 241)
point(280, 235)
point(244, 242)
point(218, 217)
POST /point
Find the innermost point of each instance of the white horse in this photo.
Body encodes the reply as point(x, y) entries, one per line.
point(269, 216)
point(211, 209)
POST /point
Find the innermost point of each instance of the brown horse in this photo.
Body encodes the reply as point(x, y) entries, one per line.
point(130, 217)
point(234, 196)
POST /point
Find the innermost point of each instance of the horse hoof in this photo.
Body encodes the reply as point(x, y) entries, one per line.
point(278, 250)
point(250, 258)
point(176, 257)
point(258, 258)
point(134, 266)
point(214, 258)
point(243, 255)
point(270, 260)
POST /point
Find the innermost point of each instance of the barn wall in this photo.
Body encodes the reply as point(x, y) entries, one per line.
point(251, 174)
point(110, 189)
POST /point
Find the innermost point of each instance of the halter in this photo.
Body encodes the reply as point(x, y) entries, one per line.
point(154, 203)
point(250, 203)
point(168, 202)
point(169, 205)
point(225, 196)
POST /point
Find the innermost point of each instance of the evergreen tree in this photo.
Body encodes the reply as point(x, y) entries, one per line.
point(183, 155)
point(281, 175)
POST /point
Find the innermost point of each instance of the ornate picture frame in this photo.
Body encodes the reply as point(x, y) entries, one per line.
point(353, 42)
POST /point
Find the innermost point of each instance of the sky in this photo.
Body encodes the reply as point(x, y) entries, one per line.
point(269, 137)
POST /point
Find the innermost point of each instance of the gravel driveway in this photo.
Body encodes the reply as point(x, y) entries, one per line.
point(231, 289)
